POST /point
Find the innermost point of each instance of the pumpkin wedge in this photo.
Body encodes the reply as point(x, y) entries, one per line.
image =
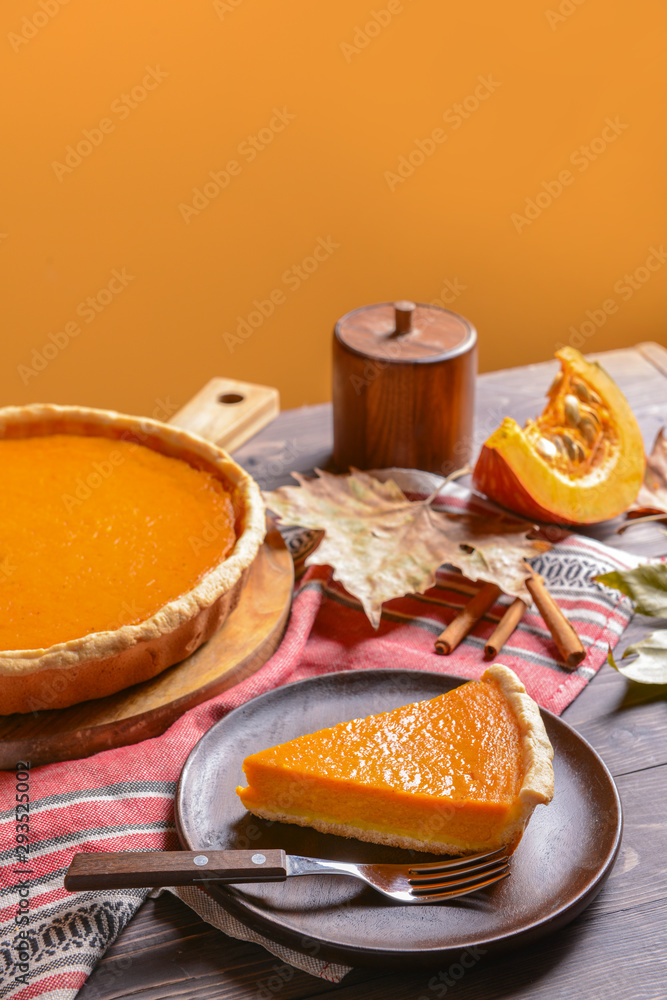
point(580, 462)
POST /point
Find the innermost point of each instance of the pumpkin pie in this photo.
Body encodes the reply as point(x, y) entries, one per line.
point(456, 774)
point(124, 544)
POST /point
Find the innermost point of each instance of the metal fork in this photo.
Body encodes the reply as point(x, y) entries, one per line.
point(419, 883)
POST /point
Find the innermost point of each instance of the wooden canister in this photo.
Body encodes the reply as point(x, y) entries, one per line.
point(403, 387)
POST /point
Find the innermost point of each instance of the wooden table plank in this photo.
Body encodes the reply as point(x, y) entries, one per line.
point(617, 946)
point(630, 739)
point(298, 440)
point(654, 353)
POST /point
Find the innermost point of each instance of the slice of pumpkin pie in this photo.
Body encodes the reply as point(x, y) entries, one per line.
point(456, 774)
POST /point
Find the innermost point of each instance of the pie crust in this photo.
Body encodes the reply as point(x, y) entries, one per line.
point(102, 663)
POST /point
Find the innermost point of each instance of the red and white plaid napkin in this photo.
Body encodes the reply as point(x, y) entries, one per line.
point(123, 799)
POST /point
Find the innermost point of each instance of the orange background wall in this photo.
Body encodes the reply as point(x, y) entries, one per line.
point(117, 112)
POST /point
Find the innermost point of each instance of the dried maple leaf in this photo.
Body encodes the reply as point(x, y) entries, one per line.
point(652, 496)
point(382, 545)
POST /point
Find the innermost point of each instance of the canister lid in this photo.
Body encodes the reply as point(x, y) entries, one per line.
point(405, 332)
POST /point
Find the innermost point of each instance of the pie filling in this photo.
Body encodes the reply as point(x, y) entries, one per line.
point(448, 770)
point(98, 533)
point(405, 817)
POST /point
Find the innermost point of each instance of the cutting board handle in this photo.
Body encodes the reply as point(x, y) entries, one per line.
point(229, 412)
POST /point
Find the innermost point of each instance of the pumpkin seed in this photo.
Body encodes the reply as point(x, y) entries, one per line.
point(574, 450)
point(571, 407)
point(585, 393)
point(558, 441)
point(546, 448)
point(588, 430)
point(590, 414)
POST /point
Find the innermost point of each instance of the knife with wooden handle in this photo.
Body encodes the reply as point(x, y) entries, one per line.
point(136, 869)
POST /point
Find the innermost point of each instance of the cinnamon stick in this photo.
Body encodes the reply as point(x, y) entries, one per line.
point(568, 642)
point(467, 617)
point(505, 627)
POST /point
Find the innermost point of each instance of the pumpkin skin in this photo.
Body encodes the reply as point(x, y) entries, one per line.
point(598, 465)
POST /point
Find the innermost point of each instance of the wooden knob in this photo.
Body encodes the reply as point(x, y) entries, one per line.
point(403, 311)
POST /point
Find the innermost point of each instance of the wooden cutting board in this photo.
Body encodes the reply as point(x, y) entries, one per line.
point(245, 642)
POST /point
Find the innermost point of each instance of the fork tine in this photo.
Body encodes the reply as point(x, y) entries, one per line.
point(441, 866)
point(434, 896)
point(453, 881)
point(446, 874)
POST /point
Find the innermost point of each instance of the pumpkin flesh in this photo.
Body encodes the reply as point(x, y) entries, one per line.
point(580, 462)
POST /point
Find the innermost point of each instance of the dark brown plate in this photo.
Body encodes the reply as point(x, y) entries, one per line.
point(566, 853)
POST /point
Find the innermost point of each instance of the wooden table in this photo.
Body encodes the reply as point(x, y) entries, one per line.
point(618, 946)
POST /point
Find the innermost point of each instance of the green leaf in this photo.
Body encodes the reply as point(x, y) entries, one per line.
point(650, 665)
point(646, 585)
